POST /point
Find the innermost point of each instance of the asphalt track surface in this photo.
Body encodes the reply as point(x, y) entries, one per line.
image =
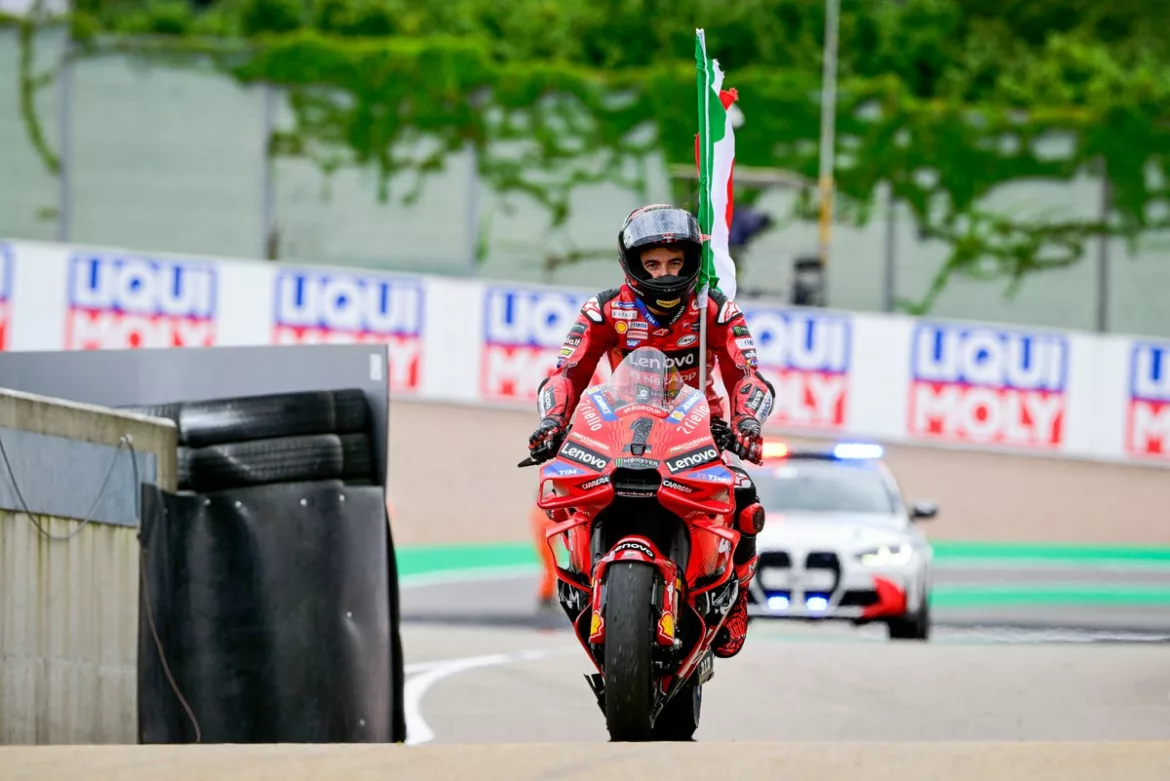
point(485, 666)
point(495, 692)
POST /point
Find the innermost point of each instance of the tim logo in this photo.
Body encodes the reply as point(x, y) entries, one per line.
point(131, 302)
point(987, 386)
point(5, 293)
point(318, 307)
point(1147, 427)
point(523, 334)
point(806, 358)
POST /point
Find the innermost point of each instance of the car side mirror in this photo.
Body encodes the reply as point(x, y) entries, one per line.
point(923, 510)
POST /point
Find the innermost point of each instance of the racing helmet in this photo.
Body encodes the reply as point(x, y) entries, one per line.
point(660, 225)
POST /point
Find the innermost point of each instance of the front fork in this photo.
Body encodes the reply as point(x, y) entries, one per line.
point(665, 600)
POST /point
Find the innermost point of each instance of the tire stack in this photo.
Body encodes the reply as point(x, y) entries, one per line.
point(237, 442)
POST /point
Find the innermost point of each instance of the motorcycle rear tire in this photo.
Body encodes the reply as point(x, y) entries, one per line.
point(629, 674)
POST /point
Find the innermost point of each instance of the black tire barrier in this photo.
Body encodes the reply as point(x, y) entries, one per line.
point(272, 438)
point(264, 461)
point(245, 418)
point(274, 612)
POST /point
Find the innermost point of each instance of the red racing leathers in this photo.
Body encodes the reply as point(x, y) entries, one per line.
point(615, 322)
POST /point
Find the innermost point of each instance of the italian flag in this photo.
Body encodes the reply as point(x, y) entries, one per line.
point(715, 158)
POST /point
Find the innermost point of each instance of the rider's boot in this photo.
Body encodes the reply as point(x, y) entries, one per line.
point(733, 633)
point(749, 522)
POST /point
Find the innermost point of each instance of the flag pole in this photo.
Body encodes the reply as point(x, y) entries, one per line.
point(703, 162)
point(715, 160)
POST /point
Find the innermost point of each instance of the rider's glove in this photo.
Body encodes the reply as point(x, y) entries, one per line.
point(547, 438)
point(749, 443)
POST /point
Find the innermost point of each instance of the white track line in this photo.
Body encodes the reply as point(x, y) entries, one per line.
point(427, 674)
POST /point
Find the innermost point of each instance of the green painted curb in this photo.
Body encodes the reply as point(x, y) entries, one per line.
point(981, 597)
point(1082, 554)
point(427, 559)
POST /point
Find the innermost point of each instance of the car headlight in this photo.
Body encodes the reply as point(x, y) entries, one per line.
point(887, 555)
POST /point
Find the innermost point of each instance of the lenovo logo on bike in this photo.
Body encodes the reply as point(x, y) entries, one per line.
point(120, 302)
point(585, 456)
point(1147, 425)
point(806, 357)
point(315, 307)
point(5, 293)
point(692, 459)
point(635, 546)
point(522, 332)
point(988, 386)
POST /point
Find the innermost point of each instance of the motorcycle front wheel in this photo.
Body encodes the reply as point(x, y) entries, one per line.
point(629, 639)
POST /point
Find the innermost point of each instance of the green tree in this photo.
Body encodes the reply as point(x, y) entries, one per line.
point(944, 99)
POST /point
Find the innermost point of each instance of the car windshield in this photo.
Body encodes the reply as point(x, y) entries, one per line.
point(823, 487)
point(645, 377)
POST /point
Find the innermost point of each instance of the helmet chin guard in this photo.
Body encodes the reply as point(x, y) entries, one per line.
point(660, 225)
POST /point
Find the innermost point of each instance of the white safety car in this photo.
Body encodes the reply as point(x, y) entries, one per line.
point(840, 543)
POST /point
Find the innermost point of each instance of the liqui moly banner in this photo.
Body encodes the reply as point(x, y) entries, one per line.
point(1147, 428)
point(6, 272)
point(805, 355)
point(337, 307)
point(525, 332)
point(840, 374)
point(125, 301)
point(988, 386)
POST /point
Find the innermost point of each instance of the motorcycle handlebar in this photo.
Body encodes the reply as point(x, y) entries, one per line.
point(724, 440)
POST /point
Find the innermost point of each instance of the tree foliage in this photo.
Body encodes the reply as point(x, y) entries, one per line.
point(943, 99)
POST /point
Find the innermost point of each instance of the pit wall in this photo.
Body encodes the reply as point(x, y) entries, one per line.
point(897, 379)
point(69, 590)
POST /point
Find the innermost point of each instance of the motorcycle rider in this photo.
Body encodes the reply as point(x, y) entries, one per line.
point(660, 252)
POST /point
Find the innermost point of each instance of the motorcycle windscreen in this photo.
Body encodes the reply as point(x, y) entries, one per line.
point(645, 377)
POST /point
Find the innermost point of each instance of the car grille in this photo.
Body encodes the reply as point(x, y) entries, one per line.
point(816, 560)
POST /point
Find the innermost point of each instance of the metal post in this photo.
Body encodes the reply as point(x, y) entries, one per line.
point(65, 131)
point(828, 117)
point(268, 244)
point(1103, 255)
point(473, 212)
point(889, 283)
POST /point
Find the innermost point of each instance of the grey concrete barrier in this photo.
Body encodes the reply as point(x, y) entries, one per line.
point(69, 565)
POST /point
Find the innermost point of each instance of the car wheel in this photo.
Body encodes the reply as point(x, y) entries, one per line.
point(914, 626)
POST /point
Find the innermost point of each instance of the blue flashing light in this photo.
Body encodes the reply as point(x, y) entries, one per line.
point(858, 450)
point(817, 603)
point(778, 603)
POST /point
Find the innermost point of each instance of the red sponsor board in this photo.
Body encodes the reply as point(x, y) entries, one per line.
point(6, 272)
point(523, 333)
point(806, 357)
point(987, 386)
point(1147, 418)
point(131, 302)
point(317, 307)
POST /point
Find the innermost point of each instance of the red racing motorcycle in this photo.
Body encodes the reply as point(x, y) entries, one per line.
point(639, 492)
